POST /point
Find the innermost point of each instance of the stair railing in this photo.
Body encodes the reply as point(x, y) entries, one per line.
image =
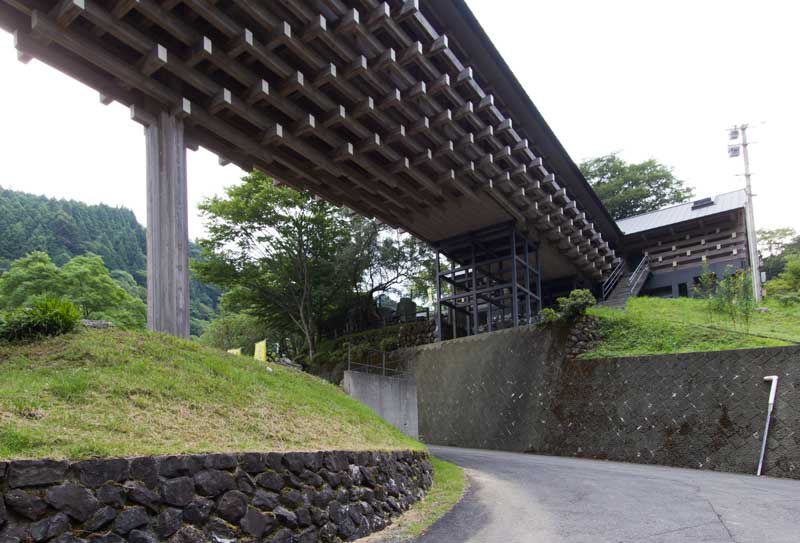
point(639, 276)
point(613, 279)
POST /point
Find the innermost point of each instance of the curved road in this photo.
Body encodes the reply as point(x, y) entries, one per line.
point(516, 498)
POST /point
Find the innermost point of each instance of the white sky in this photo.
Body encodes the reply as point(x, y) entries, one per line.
point(661, 79)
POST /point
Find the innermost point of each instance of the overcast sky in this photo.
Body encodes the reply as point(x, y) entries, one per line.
point(660, 79)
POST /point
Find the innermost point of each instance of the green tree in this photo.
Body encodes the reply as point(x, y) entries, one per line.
point(381, 260)
point(788, 281)
point(773, 265)
point(772, 241)
point(128, 284)
point(89, 285)
point(705, 288)
point(30, 276)
point(731, 297)
point(235, 330)
point(64, 229)
point(778, 244)
point(294, 261)
point(631, 189)
point(84, 280)
point(277, 250)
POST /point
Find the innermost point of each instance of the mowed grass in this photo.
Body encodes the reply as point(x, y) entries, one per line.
point(777, 322)
point(120, 393)
point(661, 326)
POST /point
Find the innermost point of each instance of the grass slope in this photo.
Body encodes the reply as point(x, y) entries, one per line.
point(113, 392)
point(660, 326)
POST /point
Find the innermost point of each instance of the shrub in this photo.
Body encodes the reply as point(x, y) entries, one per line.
point(705, 289)
point(548, 315)
point(389, 343)
point(733, 298)
point(574, 306)
point(788, 280)
point(45, 316)
point(234, 330)
point(570, 308)
point(787, 300)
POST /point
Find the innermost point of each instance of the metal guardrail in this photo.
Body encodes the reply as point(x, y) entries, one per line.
point(421, 315)
point(613, 279)
point(639, 276)
point(380, 369)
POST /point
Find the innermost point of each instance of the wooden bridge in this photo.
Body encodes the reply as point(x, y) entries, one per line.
point(399, 110)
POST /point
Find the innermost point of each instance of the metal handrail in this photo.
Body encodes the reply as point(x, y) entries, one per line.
point(374, 368)
point(611, 282)
point(641, 272)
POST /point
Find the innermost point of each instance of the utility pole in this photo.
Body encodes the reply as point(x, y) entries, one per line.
point(752, 242)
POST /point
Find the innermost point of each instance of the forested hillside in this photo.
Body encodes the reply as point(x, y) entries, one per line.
point(66, 228)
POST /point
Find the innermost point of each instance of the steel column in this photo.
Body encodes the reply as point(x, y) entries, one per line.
point(527, 283)
point(538, 282)
point(514, 292)
point(438, 300)
point(474, 292)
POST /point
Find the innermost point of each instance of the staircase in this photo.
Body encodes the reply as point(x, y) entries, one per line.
point(628, 285)
point(620, 294)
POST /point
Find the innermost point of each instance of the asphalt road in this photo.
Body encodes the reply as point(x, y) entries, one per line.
point(518, 498)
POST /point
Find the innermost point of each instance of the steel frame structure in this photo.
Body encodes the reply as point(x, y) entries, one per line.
point(494, 282)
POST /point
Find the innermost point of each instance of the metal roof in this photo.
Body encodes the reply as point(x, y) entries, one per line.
point(682, 212)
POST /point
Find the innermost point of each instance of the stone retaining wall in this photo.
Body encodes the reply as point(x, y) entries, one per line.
point(584, 335)
point(523, 390)
point(220, 498)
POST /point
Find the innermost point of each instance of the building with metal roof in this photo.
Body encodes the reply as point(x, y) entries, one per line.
point(683, 212)
point(666, 251)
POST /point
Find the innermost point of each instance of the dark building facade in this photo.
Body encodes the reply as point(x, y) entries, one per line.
point(678, 242)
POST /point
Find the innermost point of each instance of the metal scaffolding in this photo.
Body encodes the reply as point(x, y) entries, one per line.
point(494, 282)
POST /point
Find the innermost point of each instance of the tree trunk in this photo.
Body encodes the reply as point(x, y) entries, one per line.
point(312, 347)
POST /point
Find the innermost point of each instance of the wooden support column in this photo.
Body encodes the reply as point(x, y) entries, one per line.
point(167, 224)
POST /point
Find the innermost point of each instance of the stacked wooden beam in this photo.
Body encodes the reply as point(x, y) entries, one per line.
point(361, 102)
point(691, 250)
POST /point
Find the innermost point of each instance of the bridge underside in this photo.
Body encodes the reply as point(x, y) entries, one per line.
point(370, 105)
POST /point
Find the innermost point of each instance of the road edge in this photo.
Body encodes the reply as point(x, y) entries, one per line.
point(450, 485)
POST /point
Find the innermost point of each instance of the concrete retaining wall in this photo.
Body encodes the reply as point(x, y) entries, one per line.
point(393, 398)
point(517, 391)
point(288, 498)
